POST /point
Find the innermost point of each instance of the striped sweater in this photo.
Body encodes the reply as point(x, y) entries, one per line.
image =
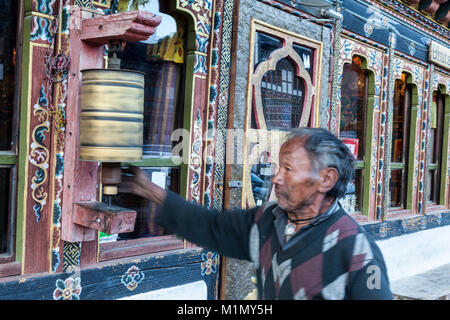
point(334, 259)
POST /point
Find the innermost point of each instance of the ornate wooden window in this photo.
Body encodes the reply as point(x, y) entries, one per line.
point(161, 58)
point(353, 115)
point(436, 146)
point(282, 94)
point(400, 147)
point(9, 57)
point(283, 86)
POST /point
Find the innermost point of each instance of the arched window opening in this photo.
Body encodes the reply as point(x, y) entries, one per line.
point(162, 59)
point(401, 124)
point(9, 88)
point(283, 95)
point(354, 99)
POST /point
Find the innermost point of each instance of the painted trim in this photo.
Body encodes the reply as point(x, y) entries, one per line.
point(383, 230)
point(117, 279)
point(24, 133)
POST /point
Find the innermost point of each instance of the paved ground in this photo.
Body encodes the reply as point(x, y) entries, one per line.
point(430, 285)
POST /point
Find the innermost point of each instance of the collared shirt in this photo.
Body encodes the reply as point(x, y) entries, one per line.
point(281, 222)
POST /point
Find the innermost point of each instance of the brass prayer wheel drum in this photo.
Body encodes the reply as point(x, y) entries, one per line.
point(112, 106)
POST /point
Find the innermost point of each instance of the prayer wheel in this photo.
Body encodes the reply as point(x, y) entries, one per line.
point(112, 105)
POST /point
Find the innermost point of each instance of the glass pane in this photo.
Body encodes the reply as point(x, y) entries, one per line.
point(431, 144)
point(352, 202)
point(399, 121)
point(283, 95)
point(145, 225)
point(7, 71)
point(438, 128)
point(395, 188)
point(431, 180)
point(264, 46)
point(352, 122)
point(307, 56)
point(161, 97)
point(359, 183)
point(168, 25)
point(5, 210)
point(161, 58)
point(261, 178)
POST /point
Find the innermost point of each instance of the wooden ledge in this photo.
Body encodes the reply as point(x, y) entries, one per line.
point(101, 217)
point(126, 26)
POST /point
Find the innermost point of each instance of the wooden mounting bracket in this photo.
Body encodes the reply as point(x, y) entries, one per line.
point(101, 217)
point(88, 32)
point(126, 26)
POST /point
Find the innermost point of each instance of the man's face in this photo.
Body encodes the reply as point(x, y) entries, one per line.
point(295, 183)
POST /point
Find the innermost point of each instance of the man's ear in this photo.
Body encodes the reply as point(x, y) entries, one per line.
point(328, 178)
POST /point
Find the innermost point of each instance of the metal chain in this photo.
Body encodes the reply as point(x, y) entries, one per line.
point(56, 70)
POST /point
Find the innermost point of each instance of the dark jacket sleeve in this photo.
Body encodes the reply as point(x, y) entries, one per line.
point(225, 232)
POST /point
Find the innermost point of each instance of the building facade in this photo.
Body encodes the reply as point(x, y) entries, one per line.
point(224, 82)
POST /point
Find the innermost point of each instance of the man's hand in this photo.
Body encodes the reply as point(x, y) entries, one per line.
point(136, 181)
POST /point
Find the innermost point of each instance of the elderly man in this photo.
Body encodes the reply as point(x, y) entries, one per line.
point(304, 245)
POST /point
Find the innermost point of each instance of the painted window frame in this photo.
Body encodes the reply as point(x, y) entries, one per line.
point(369, 105)
point(441, 165)
point(412, 133)
point(273, 138)
point(141, 246)
point(9, 264)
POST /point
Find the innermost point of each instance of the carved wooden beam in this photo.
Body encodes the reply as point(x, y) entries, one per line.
point(125, 26)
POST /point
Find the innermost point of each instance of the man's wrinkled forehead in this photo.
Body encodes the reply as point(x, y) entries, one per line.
point(294, 144)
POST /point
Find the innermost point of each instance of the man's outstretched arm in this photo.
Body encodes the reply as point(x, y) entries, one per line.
point(224, 232)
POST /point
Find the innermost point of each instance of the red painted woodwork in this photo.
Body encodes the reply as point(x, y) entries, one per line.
point(10, 269)
point(101, 217)
point(87, 35)
point(126, 26)
point(134, 247)
point(37, 228)
point(81, 178)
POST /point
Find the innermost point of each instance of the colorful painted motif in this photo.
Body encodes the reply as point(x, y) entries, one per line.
point(69, 289)
point(374, 58)
point(39, 154)
point(201, 10)
point(377, 20)
point(196, 159)
point(71, 256)
point(83, 3)
point(59, 118)
point(210, 263)
point(200, 68)
point(41, 26)
point(132, 278)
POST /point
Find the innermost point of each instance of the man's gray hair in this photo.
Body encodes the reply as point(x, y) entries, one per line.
point(325, 151)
